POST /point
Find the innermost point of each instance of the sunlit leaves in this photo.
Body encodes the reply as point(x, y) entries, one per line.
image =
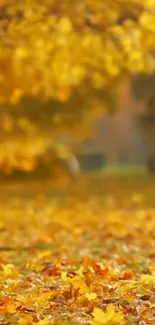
point(9, 270)
point(51, 50)
point(65, 261)
point(148, 279)
point(47, 45)
point(91, 296)
point(109, 317)
point(29, 321)
point(30, 128)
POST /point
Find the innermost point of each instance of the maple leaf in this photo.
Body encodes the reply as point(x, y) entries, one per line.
point(77, 282)
point(91, 296)
point(109, 317)
point(9, 270)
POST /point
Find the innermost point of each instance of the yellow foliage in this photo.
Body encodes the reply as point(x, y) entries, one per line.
point(45, 46)
point(9, 269)
point(11, 308)
point(44, 254)
point(24, 321)
point(148, 279)
point(63, 151)
point(91, 296)
point(109, 317)
point(54, 49)
point(89, 278)
point(77, 283)
point(29, 321)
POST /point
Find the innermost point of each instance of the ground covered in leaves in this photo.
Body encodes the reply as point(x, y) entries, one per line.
point(86, 256)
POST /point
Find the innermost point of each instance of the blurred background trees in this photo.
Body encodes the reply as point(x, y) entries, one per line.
point(60, 66)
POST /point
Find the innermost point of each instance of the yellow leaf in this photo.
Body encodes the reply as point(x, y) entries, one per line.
point(44, 254)
point(9, 269)
point(80, 271)
point(24, 321)
point(11, 308)
point(109, 317)
point(91, 296)
point(147, 279)
point(65, 25)
point(126, 287)
point(43, 298)
point(21, 298)
point(78, 283)
point(91, 269)
point(64, 277)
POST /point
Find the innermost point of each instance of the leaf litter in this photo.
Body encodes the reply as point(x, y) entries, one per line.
point(79, 260)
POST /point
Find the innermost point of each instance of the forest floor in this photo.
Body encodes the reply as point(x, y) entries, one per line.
point(79, 252)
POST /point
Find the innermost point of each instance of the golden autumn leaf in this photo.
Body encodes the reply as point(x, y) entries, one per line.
point(64, 277)
point(24, 321)
point(12, 308)
point(77, 282)
point(65, 25)
point(9, 270)
point(148, 279)
point(29, 321)
point(44, 254)
point(91, 296)
point(109, 317)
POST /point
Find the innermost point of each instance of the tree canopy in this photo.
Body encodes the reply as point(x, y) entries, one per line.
point(50, 47)
point(60, 60)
